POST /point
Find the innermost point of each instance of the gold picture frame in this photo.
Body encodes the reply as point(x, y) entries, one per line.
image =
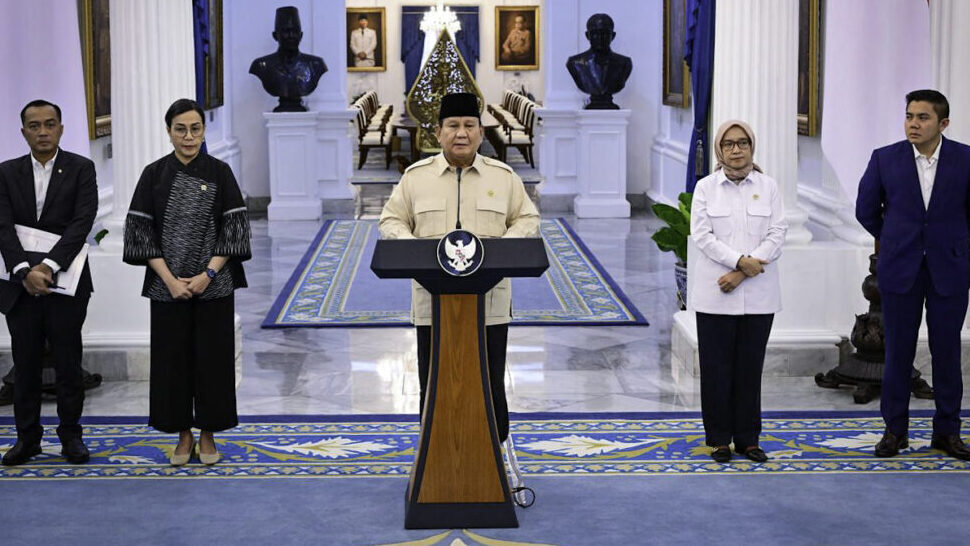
point(676, 73)
point(376, 21)
point(517, 49)
point(809, 28)
point(96, 62)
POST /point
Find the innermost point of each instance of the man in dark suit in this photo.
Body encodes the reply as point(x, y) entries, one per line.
point(55, 191)
point(914, 198)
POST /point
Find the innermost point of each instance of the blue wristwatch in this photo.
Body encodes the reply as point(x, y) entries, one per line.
point(211, 273)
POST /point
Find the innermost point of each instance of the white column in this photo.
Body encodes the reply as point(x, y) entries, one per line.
point(756, 80)
point(950, 46)
point(152, 65)
point(333, 146)
point(292, 166)
point(602, 164)
point(562, 37)
point(557, 138)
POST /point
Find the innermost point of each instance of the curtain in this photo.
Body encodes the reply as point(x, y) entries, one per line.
point(200, 31)
point(699, 55)
point(412, 39)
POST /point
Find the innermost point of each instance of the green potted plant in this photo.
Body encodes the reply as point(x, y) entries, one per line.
point(673, 238)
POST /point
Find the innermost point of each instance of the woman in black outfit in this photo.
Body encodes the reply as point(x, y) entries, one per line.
point(188, 223)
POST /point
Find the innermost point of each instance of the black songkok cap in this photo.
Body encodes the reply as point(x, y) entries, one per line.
point(286, 14)
point(459, 105)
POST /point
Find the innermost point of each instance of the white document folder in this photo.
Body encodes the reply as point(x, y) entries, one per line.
point(35, 240)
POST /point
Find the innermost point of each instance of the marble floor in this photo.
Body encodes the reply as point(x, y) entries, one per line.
point(310, 371)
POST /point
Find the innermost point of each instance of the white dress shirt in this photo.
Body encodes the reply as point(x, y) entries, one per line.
point(363, 40)
point(926, 169)
point(42, 179)
point(729, 221)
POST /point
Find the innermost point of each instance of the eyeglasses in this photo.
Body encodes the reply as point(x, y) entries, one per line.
point(182, 131)
point(728, 145)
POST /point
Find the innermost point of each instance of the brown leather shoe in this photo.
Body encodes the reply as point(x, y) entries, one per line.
point(890, 445)
point(952, 444)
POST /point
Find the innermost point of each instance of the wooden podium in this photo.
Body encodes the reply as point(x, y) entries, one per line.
point(458, 479)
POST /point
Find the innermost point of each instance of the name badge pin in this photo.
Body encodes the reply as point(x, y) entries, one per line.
point(203, 187)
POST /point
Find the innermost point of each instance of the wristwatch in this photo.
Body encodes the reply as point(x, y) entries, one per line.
point(21, 274)
point(211, 273)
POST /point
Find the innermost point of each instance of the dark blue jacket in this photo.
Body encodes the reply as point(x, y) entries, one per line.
point(890, 206)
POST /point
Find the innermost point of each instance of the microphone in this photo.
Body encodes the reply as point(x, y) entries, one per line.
point(458, 219)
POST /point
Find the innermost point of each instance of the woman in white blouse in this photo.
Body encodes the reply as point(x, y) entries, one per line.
point(738, 228)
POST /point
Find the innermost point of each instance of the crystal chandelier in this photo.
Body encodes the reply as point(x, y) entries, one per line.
point(439, 18)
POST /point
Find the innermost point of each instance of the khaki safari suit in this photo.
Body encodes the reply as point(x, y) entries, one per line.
point(424, 205)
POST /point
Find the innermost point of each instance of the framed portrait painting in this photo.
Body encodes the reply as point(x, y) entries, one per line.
point(676, 75)
point(517, 37)
point(809, 23)
point(96, 61)
point(213, 61)
point(366, 40)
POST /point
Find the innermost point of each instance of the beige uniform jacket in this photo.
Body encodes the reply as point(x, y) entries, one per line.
point(493, 204)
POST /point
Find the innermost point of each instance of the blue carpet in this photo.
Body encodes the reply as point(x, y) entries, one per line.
point(546, 444)
point(595, 492)
point(334, 286)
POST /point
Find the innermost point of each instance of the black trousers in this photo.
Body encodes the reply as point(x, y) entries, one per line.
point(35, 323)
point(731, 349)
point(496, 339)
point(193, 365)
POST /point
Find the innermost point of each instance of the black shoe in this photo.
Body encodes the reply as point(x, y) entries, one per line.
point(6, 394)
point(721, 454)
point(20, 453)
point(952, 444)
point(755, 454)
point(890, 445)
point(75, 451)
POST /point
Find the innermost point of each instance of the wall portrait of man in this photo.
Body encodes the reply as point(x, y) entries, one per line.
point(517, 37)
point(676, 88)
point(809, 23)
point(96, 48)
point(366, 39)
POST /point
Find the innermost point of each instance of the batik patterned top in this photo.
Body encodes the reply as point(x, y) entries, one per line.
point(187, 214)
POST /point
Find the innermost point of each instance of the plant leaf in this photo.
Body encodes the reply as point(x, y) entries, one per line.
point(668, 214)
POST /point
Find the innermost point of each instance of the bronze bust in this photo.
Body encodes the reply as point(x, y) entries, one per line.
point(288, 74)
point(598, 71)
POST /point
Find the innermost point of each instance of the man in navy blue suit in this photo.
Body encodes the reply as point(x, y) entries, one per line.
point(914, 198)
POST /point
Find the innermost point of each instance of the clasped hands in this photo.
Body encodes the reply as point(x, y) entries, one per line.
point(39, 280)
point(747, 267)
point(184, 288)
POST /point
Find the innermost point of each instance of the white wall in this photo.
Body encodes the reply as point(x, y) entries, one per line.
point(639, 35)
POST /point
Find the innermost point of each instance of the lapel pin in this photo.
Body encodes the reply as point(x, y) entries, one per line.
point(203, 187)
point(59, 171)
point(491, 193)
point(756, 197)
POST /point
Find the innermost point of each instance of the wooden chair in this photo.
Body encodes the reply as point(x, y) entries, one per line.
point(367, 139)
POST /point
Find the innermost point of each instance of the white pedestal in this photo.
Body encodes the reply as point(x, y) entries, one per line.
point(335, 159)
point(558, 153)
point(602, 164)
point(292, 166)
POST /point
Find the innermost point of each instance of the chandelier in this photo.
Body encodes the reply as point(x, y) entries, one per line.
point(439, 18)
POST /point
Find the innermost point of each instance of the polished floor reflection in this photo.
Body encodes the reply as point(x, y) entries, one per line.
point(560, 369)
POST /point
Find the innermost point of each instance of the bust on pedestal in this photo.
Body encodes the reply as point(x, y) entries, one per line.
point(598, 71)
point(288, 74)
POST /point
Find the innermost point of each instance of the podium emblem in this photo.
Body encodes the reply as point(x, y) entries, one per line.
point(460, 253)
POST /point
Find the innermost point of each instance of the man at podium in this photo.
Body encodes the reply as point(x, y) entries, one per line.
point(460, 189)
